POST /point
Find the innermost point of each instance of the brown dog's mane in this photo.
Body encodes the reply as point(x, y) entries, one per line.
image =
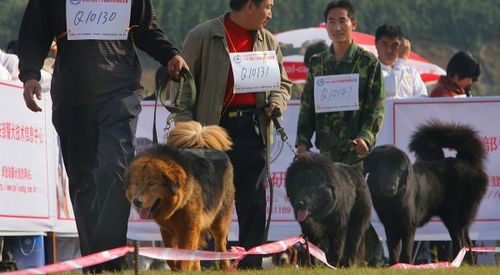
point(192, 134)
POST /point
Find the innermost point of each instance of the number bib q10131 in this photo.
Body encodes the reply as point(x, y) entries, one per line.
point(255, 72)
point(336, 93)
point(97, 19)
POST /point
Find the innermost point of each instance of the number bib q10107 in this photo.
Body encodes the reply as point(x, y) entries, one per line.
point(98, 20)
point(336, 93)
point(255, 72)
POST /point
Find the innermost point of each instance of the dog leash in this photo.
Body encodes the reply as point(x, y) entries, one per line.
point(270, 181)
point(276, 113)
point(184, 76)
point(284, 137)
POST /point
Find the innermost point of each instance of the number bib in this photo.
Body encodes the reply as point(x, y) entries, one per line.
point(98, 20)
point(255, 72)
point(336, 93)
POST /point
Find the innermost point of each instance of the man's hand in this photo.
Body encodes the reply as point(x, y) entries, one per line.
point(175, 65)
point(404, 49)
point(301, 149)
point(32, 88)
point(269, 109)
point(359, 146)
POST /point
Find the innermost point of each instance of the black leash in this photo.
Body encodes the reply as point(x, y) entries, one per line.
point(275, 118)
point(184, 76)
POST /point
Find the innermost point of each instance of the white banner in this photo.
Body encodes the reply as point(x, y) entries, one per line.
point(477, 112)
point(28, 175)
point(98, 20)
point(33, 190)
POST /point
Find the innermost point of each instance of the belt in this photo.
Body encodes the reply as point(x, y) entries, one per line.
point(236, 113)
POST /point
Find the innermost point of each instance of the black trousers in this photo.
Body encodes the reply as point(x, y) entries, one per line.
point(98, 142)
point(248, 159)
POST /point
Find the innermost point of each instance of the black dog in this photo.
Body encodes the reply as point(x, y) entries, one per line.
point(406, 196)
point(331, 202)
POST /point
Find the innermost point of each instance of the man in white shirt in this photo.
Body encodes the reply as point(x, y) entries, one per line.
point(9, 63)
point(4, 74)
point(400, 79)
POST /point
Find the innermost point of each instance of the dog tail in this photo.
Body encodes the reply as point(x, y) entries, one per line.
point(191, 134)
point(429, 140)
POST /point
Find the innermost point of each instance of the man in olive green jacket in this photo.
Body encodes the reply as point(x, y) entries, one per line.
point(245, 116)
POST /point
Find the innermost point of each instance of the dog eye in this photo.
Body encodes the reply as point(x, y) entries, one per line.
point(151, 183)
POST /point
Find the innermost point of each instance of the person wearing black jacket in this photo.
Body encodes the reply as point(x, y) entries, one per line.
point(96, 101)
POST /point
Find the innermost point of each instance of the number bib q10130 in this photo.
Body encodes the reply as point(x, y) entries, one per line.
point(336, 93)
point(98, 19)
point(255, 72)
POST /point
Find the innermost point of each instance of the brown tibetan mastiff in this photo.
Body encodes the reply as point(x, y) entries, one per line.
point(331, 202)
point(407, 195)
point(187, 188)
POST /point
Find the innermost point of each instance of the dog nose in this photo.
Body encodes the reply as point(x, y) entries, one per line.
point(301, 204)
point(389, 189)
point(137, 202)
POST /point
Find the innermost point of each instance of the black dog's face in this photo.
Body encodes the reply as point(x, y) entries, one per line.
point(309, 194)
point(386, 170)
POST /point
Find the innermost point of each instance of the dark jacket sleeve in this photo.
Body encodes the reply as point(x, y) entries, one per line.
point(35, 37)
point(147, 36)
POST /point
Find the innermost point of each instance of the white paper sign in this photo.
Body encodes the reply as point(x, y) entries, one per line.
point(335, 93)
point(98, 20)
point(255, 72)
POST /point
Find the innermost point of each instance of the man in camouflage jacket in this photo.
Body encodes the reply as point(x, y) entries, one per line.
point(344, 136)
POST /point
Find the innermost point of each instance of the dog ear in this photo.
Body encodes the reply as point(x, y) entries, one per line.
point(171, 186)
point(406, 174)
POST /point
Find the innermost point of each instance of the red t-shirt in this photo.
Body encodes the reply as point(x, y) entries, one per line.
point(238, 40)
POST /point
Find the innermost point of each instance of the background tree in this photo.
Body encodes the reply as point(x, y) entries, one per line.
point(437, 28)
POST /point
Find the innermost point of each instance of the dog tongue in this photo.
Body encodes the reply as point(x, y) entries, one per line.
point(302, 214)
point(144, 213)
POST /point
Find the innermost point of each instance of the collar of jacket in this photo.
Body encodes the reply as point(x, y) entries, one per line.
point(349, 55)
point(219, 31)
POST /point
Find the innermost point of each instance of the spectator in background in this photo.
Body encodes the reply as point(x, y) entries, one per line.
point(313, 49)
point(400, 79)
point(9, 61)
point(461, 72)
point(96, 102)
point(4, 73)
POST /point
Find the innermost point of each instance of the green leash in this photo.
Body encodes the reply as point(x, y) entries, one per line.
point(184, 77)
